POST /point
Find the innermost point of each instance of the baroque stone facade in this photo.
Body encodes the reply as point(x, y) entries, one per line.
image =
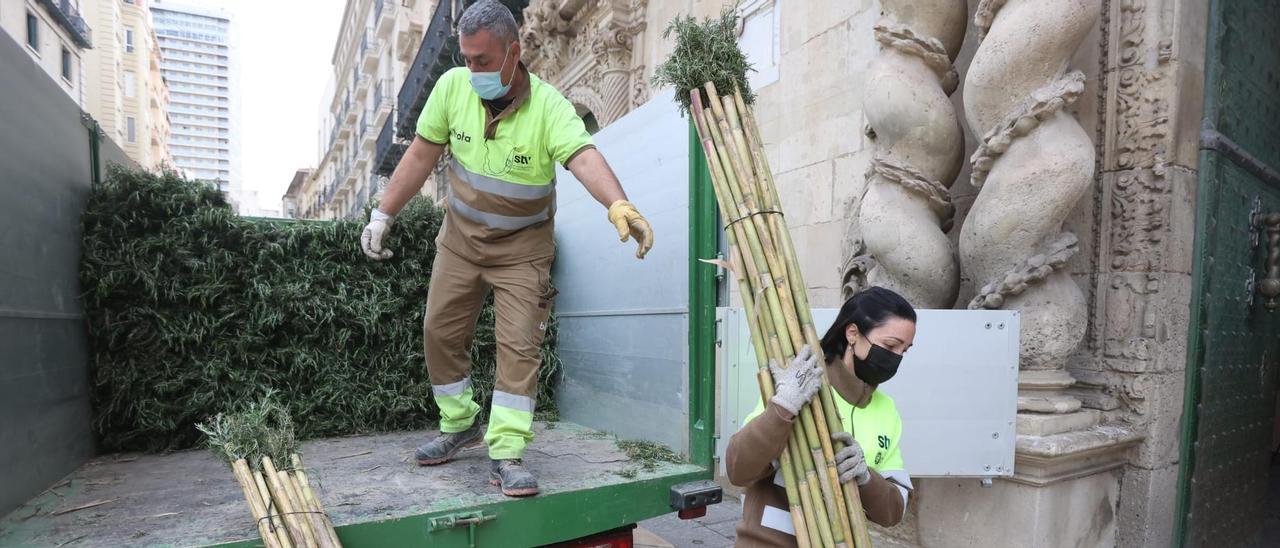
point(588, 50)
point(1086, 109)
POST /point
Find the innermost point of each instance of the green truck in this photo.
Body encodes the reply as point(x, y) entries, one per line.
point(655, 382)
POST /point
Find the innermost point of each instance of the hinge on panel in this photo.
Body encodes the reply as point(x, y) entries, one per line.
point(1255, 222)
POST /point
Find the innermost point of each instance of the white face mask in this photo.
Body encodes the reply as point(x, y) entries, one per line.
point(488, 85)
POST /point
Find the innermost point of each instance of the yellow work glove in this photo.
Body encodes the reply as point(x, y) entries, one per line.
point(630, 222)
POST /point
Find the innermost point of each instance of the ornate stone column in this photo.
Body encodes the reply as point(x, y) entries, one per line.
point(919, 150)
point(1033, 165)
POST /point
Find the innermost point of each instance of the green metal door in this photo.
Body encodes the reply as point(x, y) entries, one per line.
point(1232, 368)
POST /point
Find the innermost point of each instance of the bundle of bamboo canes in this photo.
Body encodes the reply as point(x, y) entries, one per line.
point(763, 260)
point(286, 510)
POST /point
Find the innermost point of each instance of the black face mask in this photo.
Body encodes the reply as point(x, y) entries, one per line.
point(880, 365)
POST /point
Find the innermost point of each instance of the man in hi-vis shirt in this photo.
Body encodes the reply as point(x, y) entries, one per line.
point(506, 130)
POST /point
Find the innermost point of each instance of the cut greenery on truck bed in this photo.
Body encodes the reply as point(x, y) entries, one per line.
point(192, 308)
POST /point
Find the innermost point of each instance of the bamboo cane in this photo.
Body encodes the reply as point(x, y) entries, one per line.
point(279, 493)
point(314, 502)
point(732, 137)
point(808, 506)
point(742, 187)
point(309, 520)
point(799, 326)
point(241, 471)
point(772, 342)
point(801, 513)
point(814, 490)
point(805, 527)
point(750, 233)
point(853, 498)
point(721, 164)
point(771, 241)
point(773, 201)
point(282, 533)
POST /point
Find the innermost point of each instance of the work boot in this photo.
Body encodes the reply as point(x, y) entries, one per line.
point(514, 479)
point(447, 445)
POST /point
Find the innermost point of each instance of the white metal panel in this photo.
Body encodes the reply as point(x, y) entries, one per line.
point(623, 321)
point(956, 389)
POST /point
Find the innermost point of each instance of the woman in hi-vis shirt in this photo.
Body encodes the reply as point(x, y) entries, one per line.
point(862, 350)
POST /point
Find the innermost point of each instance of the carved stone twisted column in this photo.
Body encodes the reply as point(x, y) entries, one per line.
point(919, 150)
point(1034, 164)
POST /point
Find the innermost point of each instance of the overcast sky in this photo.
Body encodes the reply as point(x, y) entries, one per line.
point(285, 49)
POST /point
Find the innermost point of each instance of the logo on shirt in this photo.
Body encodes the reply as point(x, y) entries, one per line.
point(883, 442)
point(462, 136)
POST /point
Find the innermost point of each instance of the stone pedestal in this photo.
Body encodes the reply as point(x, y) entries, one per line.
point(1065, 491)
point(962, 513)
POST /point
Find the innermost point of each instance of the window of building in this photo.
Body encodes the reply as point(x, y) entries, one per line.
point(33, 32)
point(130, 84)
point(66, 65)
point(132, 129)
point(759, 37)
point(128, 40)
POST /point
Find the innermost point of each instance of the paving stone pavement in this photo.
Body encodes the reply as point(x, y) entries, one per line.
point(715, 530)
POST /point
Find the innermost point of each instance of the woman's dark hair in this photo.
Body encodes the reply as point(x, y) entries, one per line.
point(867, 309)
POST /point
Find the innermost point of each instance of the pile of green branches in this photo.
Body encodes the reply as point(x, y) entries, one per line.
point(261, 428)
point(192, 309)
point(705, 51)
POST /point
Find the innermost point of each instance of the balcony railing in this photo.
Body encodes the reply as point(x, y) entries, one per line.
point(434, 57)
point(387, 151)
point(68, 15)
point(381, 7)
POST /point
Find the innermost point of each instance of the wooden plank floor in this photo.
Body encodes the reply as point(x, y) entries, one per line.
point(190, 498)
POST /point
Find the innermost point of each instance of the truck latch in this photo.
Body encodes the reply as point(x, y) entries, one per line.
point(463, 519)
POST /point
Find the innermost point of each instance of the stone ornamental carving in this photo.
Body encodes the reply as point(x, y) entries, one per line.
point(587, 49)
point(1034, 165)
point(1138, 135)
point(919, 150)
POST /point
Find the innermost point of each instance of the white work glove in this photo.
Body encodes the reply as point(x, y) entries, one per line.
point(798, 383)
point(371, 240)
point(851, 464)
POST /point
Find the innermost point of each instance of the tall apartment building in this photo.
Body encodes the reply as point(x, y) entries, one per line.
point(199, 62)
point(55, 35)
point(124, 88)
point(377, 44)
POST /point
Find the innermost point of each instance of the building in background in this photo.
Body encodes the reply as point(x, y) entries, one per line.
point(199, 62)
point(250, 207)
point(157, 105)
point(377, 43)
point(124, 88)
point(55, 35)
point(289, 203)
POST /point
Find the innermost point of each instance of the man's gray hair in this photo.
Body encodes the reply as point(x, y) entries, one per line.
point(491, 16)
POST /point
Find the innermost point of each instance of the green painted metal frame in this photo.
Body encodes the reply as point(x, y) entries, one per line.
point(703, 243)
point(522, 522)
point(563, 516)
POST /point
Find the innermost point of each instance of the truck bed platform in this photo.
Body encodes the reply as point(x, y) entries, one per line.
point(370, 486)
